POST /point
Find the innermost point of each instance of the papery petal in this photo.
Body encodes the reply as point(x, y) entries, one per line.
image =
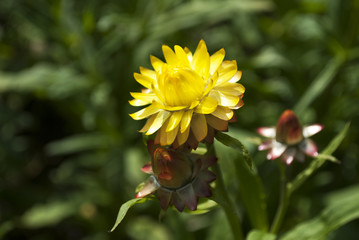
point(188, 196)
point(199, 127)
point(174, 120)
point(145, 98)
point(237, 76)
point(183, 136)
point(143, 80)
point(148, 73)
point(235, 89)
point(147, 168)
point(312, 129)
point(182, 56)
point(207, 106)
point(138, 102)
point(276, 151)
point(170, 56)
point(309, 147)
point(216, 60)
point(158, 122)
point(217, 123)
point(223, 113)
point(289, 155)
point(226, 71)
point(186, 120)
point(267, 131)
point(149, 187)
point(156, 63)
point(224, 99)
point(200, 62)
point(145, 112)
point(189, 54)
point(149, 123)
point(171, 135)
point(265, 145)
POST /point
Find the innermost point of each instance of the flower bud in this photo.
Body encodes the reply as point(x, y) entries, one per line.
point(289, 130)
point(178, 176)
point(172, 169)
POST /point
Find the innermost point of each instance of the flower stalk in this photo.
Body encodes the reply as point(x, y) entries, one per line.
point(283, 201)
point(221, 197)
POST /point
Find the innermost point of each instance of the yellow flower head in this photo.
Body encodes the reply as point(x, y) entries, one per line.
point(189, 95)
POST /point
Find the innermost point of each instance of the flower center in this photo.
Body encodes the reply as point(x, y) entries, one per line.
point(180, 86)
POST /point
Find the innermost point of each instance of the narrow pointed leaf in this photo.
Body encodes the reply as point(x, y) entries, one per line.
point(319, 161)
point(342, 207)
point(124, 208)
point(251, 188)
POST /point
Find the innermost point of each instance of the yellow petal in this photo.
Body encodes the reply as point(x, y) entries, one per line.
point(182, 136)
point(182, 56)
point(146, 97)
point(170, 56)
point(216, 60)
point(207, 106)
point(217, 123)
point(156, 63)
point(226, 71)
point(236, 77)
point(145, 112)
point(167, 138)
point(199, 126)
point(147, 72)
point(189, 54)
point(138, 102)
point(223, 113)
point(158, 122)
point(224, 99)
point(235, 89)
point(186, 120)
point(143, 80)
point(148, 123)
point(174, 121)
point(200, 62)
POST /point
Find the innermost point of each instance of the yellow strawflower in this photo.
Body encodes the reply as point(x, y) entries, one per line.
point(189, 96)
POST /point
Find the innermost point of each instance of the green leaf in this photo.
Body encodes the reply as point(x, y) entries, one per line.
point(124, 208)
point(250, 185)
point(236, 145)
point(42, 215)
point(78, 143)
point(259, 235)
point(342, 207)
point(319, 161)
point(318, 85)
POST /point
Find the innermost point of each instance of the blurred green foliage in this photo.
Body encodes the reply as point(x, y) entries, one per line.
point(69, 153)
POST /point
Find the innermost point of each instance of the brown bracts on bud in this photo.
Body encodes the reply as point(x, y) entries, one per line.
point(289, 130)
point(178, 176)
point(289, 139)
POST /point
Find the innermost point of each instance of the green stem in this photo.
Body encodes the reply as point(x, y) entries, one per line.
point(283, 202)
point(223, 199)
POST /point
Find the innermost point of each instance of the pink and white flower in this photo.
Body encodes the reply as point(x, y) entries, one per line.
point(289, 139)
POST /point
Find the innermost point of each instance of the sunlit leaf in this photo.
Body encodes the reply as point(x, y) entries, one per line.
point(48, 214)
point(259, 235)
point(124, 208)
point(250, 185)
point(319, 161)
point(342, 207)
